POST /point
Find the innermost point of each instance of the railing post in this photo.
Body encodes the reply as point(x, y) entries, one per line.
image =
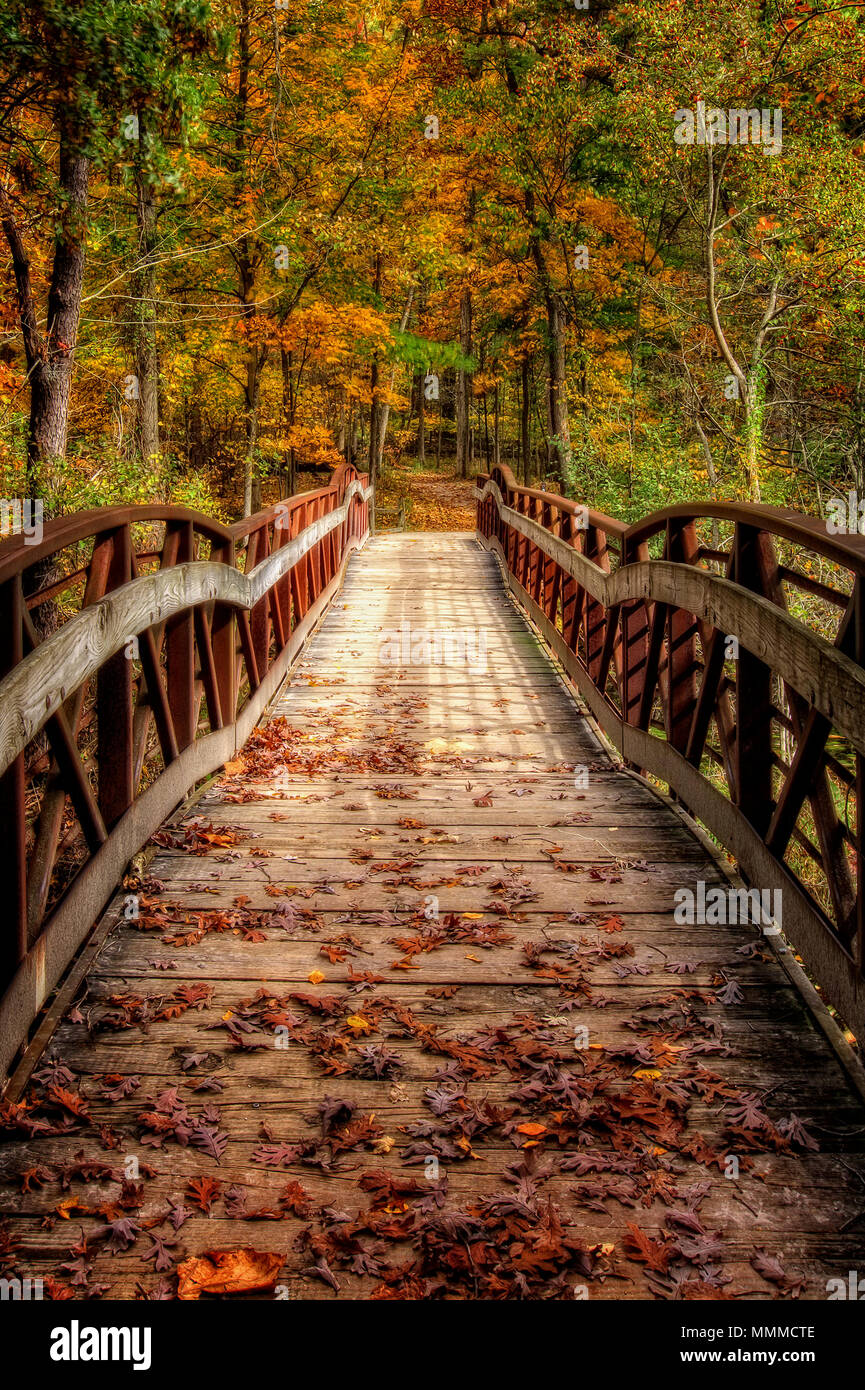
point(259, 621)
point(329, 558)
point(681, 682)
point(549, 568)
point(481, 512)
point(525, 548)
point(510, 539)
point(753, 753)
point(223, 640)
point(572, 593)
point(299, 589)
point(536, 569)
point(859, 649)
point(114, 704)
point(282, 589)
point(180, 649)
point(13, 843)
point(595, 614)
point(635, 641)
point(316, 554)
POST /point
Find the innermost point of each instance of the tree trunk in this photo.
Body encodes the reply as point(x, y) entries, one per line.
point(560, 431)
point(374, 406)
point(712, 475)
point(559, 444)
point(247, 257)
point(464, 386)
point(384, 414)
point(340, 429)
point(373, 420)
point(288, 409)
point(144, 305)
point(525, 420)
point(747, 382)
point(50, 355)
point(50, 367)
point(752, 464)
point(251, 475)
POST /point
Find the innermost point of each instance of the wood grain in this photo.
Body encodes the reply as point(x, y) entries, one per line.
point(353, 824)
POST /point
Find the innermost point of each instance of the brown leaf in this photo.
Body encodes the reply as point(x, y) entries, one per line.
point(225, 1272)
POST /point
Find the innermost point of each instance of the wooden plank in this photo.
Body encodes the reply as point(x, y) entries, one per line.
point(321, 829)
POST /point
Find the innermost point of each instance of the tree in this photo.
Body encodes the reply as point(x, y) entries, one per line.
point(72, 73)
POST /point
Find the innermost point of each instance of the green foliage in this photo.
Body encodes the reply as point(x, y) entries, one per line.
point(95, 60)
point(421, 352)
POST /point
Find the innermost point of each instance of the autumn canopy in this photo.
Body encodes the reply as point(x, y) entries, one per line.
point(617, 246)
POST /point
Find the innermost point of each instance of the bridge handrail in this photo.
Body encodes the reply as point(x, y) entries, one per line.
point(20, 552)
point(730, 671)
point(149, 652)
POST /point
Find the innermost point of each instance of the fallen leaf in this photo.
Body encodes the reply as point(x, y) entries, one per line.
point(225, 1272)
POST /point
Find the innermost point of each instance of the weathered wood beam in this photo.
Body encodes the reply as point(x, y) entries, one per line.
point(43, 964)
point(34, 691)
point(829, 680)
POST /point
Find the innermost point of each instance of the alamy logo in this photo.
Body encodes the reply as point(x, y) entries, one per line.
point(22, 518)
point(21, 1290)
point(422, 646)
point(77, 1343)
point(853, 1289)
point(729, 907)
point(704, 125)
point(846, 515)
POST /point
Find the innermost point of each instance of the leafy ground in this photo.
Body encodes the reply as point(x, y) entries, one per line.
point(434, 501)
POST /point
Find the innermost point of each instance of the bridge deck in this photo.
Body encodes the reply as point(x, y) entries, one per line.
point(285, 1039)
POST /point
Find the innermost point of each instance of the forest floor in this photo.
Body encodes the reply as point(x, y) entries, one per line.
point(435, 501)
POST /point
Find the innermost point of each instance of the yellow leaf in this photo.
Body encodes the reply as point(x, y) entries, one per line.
point(65, 1209)
point(315, 977)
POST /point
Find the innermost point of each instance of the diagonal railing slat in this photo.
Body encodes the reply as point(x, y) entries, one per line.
point(150, 684)
point(701, 668)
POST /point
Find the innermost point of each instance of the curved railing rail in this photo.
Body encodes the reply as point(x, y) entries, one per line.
point(721, 649)
point(171, 632)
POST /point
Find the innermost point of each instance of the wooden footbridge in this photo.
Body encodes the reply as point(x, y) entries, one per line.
point(432, 987)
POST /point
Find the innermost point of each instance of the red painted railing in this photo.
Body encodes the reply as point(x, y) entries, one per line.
point(173, 631)
point(721, 649)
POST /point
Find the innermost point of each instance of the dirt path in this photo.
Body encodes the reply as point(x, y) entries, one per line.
point(435, 501)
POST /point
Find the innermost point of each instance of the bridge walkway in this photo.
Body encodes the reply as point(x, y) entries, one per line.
point(406, 1012)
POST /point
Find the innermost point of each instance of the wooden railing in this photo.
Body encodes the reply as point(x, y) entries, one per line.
point(172, 633)
point(720, 648)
